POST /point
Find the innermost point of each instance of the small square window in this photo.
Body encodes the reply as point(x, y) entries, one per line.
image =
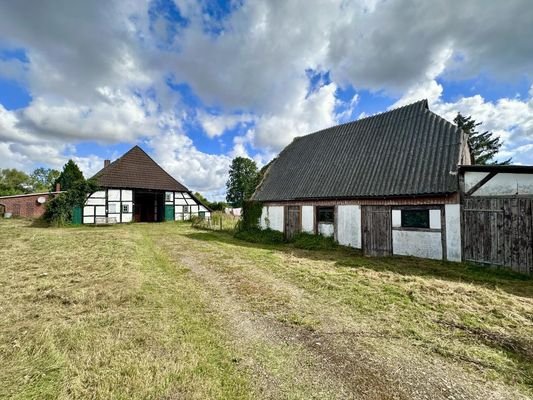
point(168, 196)
point(326, 214)
point(125, 208)
point(185, 209)
point(415, 219)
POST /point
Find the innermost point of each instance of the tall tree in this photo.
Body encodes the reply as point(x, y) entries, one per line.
point(13, 181)
point(43, 179)
point(484, 145)
point(242, 181)
point(70, 175)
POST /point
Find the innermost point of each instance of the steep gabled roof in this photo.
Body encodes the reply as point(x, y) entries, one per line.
point(403, 152)
point(136, 170)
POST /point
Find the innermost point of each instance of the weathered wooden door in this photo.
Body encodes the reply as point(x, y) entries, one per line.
point(292, 221)
point(377, 230)
point(499, 231)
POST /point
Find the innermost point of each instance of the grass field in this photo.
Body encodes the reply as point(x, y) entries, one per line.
point(164, 311)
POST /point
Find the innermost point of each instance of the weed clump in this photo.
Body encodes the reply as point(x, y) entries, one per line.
point(307, 241)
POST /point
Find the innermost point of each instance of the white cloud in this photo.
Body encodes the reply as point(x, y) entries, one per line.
point(200, 171)
point(217, 125)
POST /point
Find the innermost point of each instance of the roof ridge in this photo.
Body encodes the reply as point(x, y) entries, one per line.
point(379, 114)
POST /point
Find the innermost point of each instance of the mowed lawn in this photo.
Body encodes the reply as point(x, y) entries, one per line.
point(164, 311)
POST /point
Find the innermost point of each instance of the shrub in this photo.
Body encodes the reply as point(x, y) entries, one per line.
point(59, 209)
point(256, 235)
point(314, 242)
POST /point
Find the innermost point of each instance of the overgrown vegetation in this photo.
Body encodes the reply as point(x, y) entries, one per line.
point(256, 235)
point(307, 241)
point(218, 221)
point(59, 209)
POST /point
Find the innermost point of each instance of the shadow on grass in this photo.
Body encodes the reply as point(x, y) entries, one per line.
point(345, 257)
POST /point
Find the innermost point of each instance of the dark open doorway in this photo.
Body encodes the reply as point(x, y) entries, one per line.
point(148, 206)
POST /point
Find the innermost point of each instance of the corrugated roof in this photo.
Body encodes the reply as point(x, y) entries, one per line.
point(404, 152)
point(136, 170)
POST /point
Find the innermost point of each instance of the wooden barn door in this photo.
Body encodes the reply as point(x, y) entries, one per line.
point(377, 230)
point(499, 231)
point(292, 221)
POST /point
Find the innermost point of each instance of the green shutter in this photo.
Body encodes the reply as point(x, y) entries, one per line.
point(76, 215)
point(169, 213)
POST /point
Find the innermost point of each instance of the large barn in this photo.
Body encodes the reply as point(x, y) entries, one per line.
point(136, 188)
point(389, 184)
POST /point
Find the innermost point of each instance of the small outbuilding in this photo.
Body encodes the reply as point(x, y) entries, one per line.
point(31, 205)
point(135, 188)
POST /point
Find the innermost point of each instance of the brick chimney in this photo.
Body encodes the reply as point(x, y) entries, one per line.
point(58, 187)
point(106, 163)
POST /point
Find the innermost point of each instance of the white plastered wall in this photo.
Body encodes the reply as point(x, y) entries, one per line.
point(108, 206)
point(453, 231)
point(308, 219)
point(502, 184)
point(272, 217)
point(349, 225)
point(417, 243)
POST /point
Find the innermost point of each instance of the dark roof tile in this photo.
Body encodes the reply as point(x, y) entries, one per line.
point(137, 170)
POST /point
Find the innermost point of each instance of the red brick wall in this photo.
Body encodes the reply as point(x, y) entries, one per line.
point(25, 206)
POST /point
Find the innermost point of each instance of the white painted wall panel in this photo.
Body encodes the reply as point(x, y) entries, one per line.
point(127, 195)
point(181, 201)
point(88, 220)
point(113, 195)
point(88, 211)
point(91, 201)
point(506, 184)
point(471, 178)
point(453, 231)
point(113, 207)
point(349, 226)
point(308, 220)
point(272, 217)
point(127, 217)
point(417, 243)
point(396, 218)
point(326, 229)
point(434, 219)
point(99, 210)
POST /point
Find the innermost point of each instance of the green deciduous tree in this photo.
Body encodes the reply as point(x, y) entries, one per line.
point(242, 181)
point(43, 179)
point(59, 209)
point(70, 175)
point(483, 145)
point(13, 181)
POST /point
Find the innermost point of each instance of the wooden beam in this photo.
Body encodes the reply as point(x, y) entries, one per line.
point(481, 183)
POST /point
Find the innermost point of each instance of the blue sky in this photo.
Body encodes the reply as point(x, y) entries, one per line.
point(197, 83)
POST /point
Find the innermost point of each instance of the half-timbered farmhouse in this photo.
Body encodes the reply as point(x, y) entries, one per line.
point(389, 184)
point(136, 188)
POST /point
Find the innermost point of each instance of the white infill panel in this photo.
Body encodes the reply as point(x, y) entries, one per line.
point(113, 195)
point(326, 229)
point(434, 219)
point(453, 231)
point(88, 211)
point(272, 217)
point(127, 195)
point(308, 220)
point(424, 244)
point(349, 225)
point(88, 220)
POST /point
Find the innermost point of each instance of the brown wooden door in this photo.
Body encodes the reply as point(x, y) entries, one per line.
point(377, 230)
point(292, 221)
point(499, 231)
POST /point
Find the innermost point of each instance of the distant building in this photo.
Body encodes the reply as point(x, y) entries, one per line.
point(30, 205)
point(135, 188)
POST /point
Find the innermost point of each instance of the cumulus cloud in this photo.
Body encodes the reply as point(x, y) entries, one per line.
point(99, 71)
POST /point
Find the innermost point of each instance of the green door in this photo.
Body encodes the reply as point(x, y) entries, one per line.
point(169, 213)
point(76, 215)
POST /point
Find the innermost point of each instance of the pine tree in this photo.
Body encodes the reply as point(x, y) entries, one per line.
point(242, 181)
point(70, 175)
point(483, 145)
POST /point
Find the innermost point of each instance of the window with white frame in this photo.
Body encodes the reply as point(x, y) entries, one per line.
point(168, 196)
point(125, 208)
